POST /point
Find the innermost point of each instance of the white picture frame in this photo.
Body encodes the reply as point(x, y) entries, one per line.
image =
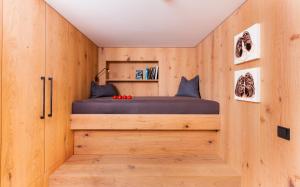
point(247, 85)
point(254, 52)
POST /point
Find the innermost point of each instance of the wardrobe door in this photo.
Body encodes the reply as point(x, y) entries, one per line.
point(56, 125)
point(1, 13)
point(23, 64)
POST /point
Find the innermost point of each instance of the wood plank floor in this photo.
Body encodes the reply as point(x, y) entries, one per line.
point(144, 171)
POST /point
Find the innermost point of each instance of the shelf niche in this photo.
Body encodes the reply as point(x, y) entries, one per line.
point(122, 75)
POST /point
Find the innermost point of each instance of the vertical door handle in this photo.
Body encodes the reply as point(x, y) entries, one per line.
point(44, 94)
point(51, 96)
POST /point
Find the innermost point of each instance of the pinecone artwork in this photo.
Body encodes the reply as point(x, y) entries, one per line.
point(247, 40)
point(239, 48)
point(240, 86)
point(244, 42)
point(245, 86)
point(249, 85)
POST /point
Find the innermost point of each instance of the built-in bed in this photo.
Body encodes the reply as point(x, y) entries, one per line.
point(146, 105)
point(146, 113)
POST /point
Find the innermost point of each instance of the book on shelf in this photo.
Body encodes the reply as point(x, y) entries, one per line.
point(139, 74)
point(146, 73)
point(153, 73)
point(156, 72)
point(150, 73)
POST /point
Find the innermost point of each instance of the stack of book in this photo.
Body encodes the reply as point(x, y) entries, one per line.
point(150, 73)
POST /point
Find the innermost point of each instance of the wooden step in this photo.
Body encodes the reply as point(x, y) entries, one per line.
point(144, 171)
point(146, 142)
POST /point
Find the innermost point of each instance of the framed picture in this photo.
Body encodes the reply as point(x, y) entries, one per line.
point(247, 85)
point(247, 45)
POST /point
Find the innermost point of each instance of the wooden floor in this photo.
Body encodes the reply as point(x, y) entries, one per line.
point(144, 171)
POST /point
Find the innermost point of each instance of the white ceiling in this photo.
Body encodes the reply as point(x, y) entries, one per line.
point(146, 23)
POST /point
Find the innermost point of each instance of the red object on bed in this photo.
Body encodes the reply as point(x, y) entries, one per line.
point(128, 97)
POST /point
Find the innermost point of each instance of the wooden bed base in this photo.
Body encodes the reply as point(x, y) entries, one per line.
point(145, 122)
point(140, 142)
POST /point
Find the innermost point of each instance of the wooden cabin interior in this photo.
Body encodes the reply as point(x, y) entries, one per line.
point(161, 93)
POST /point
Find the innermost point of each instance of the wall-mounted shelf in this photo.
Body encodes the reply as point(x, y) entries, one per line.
point(122, 74)
point(137, 62)
point(130, 80)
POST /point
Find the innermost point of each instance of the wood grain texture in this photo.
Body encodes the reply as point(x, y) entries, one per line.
point(126, 70)
point(173, 63)
point(1, 29)
point(146, 142)
point(23, 63)
point(144, 122)
point(71, 61)
point(122, 75)
point(164, 181)
point(144, 171)
point(137, 88)
point(250, 143)
point(68, 54)
point(57, 66)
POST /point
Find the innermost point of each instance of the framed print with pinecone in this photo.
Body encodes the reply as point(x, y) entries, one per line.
point(247, 85)
point(247, 45)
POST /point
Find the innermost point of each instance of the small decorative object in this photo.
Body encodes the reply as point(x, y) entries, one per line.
point(139, 75)
point(122, 97)
point(247, 45)
point(247, 85)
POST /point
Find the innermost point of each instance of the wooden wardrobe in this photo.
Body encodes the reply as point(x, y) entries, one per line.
point(45, 64)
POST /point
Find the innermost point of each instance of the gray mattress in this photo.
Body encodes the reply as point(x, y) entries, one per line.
point(146, 105)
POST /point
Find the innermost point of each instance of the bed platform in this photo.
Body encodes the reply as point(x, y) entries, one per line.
point(145, 143)
point(145, 122)
point(146, 105)
point(151, 127)
point(146, 113)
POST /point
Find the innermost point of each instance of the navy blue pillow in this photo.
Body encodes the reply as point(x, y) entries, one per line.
point(189, 88)
point(107, 90)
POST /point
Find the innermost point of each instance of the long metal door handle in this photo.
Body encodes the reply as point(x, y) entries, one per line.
point(44, 94)
point(51, 97)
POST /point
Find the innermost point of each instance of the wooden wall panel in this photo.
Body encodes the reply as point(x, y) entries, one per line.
point(23, 64)
point(126, 70)
point(72, 62)
point(137, 88)
point(1, 29)
point(248, 129)
point(173, 63)
point(57, 67)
